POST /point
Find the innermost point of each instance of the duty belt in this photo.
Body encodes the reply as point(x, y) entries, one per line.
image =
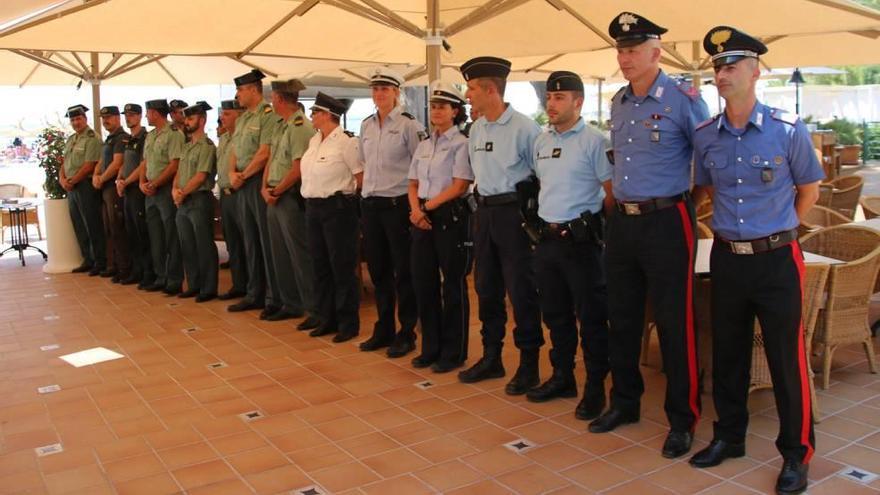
point(382, 203)
point(761, 245)
point(649, 206)
point(497, 199)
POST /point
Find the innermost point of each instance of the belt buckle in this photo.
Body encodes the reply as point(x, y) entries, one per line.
point(742, 247)
point(632, 209)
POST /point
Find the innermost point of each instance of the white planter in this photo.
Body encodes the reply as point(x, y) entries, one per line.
point(61, 243)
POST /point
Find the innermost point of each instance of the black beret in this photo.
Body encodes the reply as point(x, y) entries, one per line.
point(160, 105)
point(727, 45)
point(485, 67)
point(107, 111)
point(132, 108)
point(177, 104)
point(330, 104)
point(563, 80)
point(255, 75)
point(200, 108)
point(630, 29)
point(230, 105)
point(76, 111)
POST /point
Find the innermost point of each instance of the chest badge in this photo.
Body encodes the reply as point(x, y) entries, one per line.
point(667, 109)
point(756, 160)
point(777, 159)
point(556, 153)
point(489, 146)
point(655, 136)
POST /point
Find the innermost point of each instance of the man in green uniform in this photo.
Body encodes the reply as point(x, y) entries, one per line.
point(195, 206)
point(103, 179)
point(176, 115)
point(286, 210)
point(229, 209)
point(251, 148)
point(162, 151)
point(81, 152)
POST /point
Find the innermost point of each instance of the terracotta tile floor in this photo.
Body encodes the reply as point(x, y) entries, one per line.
point(161, 421)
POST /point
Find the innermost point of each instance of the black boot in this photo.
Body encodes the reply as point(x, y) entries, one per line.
point(792, 478)
point(592, 403)
point(526, 377)
point(561, 384)
point(489, 366)
point(404, 343)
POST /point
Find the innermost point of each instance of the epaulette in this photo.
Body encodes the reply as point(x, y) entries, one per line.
point(267, 109)
point(707, 122)
point(209, 140)
point(423, 135)
point(349, 133)
point(91, 133)
point(688, 89)
point(467, 129)
point(370, 116)
point(408, 115)
point(619, 92)
point(298, 121)
point(783, 116)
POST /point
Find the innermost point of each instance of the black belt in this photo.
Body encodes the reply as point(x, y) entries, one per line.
point(336, 199)
point(497, 199)
point(382, 203)
point(761, 245)
point(649, 206)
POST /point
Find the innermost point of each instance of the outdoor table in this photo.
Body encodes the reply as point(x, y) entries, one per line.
point(17, 209)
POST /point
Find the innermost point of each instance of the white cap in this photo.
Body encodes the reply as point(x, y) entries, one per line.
point(386, 76)
point(443, 91)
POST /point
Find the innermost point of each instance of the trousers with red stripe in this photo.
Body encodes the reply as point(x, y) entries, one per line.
point(652, 255)
point(767, 285)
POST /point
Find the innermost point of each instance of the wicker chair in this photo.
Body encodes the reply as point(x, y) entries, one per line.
point(814, 291)
point(844, 319)
point(703, 231)
point(845, 196)
point(871, 206)
point(825, 193)
point(819, 217)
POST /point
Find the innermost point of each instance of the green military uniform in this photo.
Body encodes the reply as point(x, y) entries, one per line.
point(195, 217)
point(253, 129)
point(160, 148)
point(230, 214)
point(286, 218)
point(84, 201)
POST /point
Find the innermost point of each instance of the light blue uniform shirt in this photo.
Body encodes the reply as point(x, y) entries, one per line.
point(439, 160)
point(571, 167)
point(652, 138)
point(387, 152)
point(754, 171)
point(501, 151)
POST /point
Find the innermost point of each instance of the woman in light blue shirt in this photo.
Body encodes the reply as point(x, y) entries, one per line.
point(439, 178)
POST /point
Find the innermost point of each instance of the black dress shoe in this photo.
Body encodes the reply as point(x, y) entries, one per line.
point(525, 379)
point(233, 294)
point(612, 419)
point(131, 280)
point(487, 367)
point(269, 311)
point(592, 403)
point(344, 337)
point(308, 324)
point(205, 297)
point(244, 305)
point(792, 478)
point(422, 361)
point(84, 268)
point(442, 366)
point(677, 444)
point(155, 287)
point(403, 344)
point(95, 271)
point(324, 329)
point(116, 278)
point(107, 273)
point(374, 343)
point(188, 293)
point(172, 291)
point(284, 314)
point(716, 452)
point(559, 385)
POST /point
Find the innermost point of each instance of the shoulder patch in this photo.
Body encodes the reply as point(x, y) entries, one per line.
point(688, 89)
point(783, 116)
point(707, 122)
point(348, 133)
point(408, 115)
point(267, 109)
point(298, 121)
point(209, 141)
point(91, 133)
point(422, 135)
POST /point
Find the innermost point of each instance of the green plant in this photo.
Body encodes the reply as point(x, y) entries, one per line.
point(848, 132)
point(50, 151)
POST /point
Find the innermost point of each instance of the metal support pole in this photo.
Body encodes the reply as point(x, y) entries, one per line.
point(96, 93)
point(696, 75)
point(433, 42)
point(599, 101)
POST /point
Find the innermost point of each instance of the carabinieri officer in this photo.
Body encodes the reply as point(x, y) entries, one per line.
point(388, 140)
point(500, 146)
point(650, 234)
point(574, 173)
point(760, 164)
point(440, 176)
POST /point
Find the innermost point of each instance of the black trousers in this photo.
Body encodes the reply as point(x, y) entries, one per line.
point(262, 284)
point(571, 284)
point(503, 259)
point(332, 226)
point(195, 229)
point(441, 260)
point(137, 234)
point(113, 215)
point(768, 285)
point(386, 250)
point(232, 235)
point(652, 255)
point(84, 203)
point(164, 244)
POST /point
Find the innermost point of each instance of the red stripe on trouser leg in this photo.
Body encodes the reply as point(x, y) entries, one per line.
point(806, 409)
point(689, 317)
